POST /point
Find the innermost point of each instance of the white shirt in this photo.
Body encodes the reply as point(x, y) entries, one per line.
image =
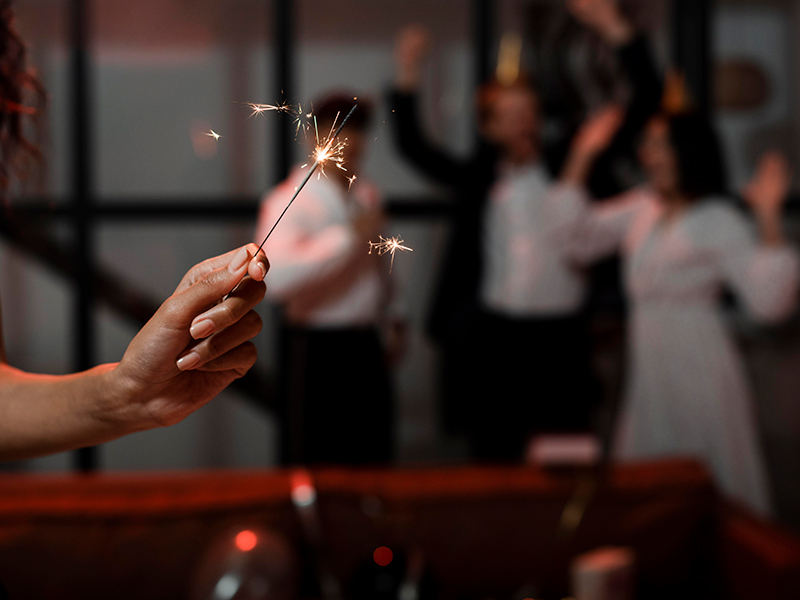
point(528, 272)
point(314, 238)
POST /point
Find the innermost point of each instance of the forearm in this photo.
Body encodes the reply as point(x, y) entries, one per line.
point(576, 169)
point(638, 64)
point(770, 228)
point(415, 146)
point(43, 414)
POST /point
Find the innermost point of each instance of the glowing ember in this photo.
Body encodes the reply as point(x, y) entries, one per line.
point(390, 245)
point(259, 109)
point(214, 134)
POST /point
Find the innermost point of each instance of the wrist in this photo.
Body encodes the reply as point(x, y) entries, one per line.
point(769, 222)
point(121, 406)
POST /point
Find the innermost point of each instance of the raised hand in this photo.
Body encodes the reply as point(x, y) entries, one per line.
point(598, 130)
point(196, 344)
point(604, 17)
point(766, 194)
point(593, 137)
point(769, 187)
point(411, 48)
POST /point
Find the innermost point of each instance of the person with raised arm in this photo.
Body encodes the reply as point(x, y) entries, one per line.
point(509, 309)
point(682, 243)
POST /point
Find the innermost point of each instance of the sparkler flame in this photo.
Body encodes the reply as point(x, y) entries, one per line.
point(390, 245)
point(259, 109)
point(331, 149)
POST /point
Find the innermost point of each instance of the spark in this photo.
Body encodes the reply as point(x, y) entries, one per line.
point(214, 134)
point(259, 109)
point(390, 245)
point(350, 182)
point(301, 119)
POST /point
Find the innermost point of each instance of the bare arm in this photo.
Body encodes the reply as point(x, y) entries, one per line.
point(190, 350)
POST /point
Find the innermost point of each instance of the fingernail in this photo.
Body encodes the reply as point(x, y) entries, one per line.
point(262, 267)
point(189, 361)
point(239, 260)
point(202, 329)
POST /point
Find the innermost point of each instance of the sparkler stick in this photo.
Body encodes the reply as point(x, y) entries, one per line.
point(322, 153)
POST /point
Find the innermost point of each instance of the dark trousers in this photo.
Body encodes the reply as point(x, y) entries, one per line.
point(336, 392)
point(532, 376)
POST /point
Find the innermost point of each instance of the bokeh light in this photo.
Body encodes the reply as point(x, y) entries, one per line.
point(382, 556)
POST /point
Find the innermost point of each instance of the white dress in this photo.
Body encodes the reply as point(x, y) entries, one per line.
point(686, 391)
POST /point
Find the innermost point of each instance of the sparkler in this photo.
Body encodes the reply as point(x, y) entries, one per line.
point(329, 150)
point(390, 245)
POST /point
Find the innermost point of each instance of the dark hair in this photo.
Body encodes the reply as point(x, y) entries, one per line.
point(339, 104)
point(701, 167)
point(18, 86)
point(489, 91)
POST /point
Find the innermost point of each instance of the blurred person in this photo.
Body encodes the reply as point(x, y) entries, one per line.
point(682, 244)
point(508, 312)
point(336, 300)
point(192, 348)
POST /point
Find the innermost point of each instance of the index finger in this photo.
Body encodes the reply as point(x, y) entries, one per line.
point(257, 269)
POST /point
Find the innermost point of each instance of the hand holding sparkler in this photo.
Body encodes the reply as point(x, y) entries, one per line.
point(195, 344)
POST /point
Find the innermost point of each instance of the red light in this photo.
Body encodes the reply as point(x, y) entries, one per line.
point(382, 556)
point(246, 540)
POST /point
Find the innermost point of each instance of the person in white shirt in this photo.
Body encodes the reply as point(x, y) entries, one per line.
point(508, 312)
point(335, 297)
point(682, 243)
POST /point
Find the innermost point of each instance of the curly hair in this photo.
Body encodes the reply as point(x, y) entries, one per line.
point(21, 98)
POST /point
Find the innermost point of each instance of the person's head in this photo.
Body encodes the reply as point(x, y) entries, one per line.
point(19, 87)
point(508, 117)
point(681, 156)
point(331, 110)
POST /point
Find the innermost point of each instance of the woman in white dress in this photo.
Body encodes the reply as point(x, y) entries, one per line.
point(682, 244)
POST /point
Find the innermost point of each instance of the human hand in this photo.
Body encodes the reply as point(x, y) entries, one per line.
point(593, 137)
point(605, 17)
point(769, 187)
point(411, 48)
point(598, 130)
point(196, 344)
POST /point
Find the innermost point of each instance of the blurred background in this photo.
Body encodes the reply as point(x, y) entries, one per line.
point(133, 192)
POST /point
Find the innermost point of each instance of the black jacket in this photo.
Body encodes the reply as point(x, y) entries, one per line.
point(470, 179)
